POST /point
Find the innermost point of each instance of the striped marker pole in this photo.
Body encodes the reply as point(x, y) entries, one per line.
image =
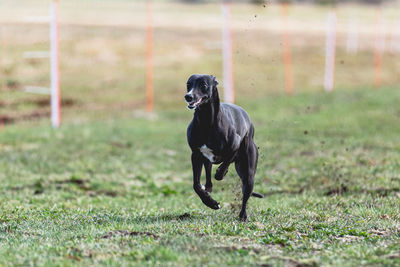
point(55, 65)
point(287, 57)
point(149, 58)
point(330, 52)
point(229, 90)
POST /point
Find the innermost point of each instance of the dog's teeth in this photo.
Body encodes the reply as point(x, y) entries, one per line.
point(219, 206)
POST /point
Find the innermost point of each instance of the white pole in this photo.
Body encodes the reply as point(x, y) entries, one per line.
point(394, 44)
point(229, 93)
point(55, 66)
point(330, 52)
point(352, 36)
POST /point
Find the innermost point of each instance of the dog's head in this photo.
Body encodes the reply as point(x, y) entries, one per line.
point(201, 88)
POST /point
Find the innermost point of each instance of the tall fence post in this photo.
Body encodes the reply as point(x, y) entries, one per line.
point(229, 90)
point(149, 58)
point(379, 48)
point(55, 65)
point(287, 57)
point(330, 52)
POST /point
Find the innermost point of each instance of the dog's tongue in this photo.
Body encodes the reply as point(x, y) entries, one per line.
point(192, 106)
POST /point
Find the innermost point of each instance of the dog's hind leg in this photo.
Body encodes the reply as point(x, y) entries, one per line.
point(208, 167)
point(222, 170)
point(246, 165)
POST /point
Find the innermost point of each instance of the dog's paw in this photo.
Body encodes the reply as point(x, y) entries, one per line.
point(243, 216)
point(211, 203)
point(220, 173)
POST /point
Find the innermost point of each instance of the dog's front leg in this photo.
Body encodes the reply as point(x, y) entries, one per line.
point(208, 167)
point(197, 163)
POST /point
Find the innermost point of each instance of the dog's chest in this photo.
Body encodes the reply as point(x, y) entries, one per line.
point(208, 153)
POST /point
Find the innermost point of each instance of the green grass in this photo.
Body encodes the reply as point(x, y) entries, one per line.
point(113, 186)
point(118, 191)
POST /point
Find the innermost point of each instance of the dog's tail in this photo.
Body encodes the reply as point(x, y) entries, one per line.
point(255, 194)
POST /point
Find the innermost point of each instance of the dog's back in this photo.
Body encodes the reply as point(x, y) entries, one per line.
point(237, 118)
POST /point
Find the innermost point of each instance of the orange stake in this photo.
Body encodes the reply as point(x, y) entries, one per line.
point(287, 57)
point(149, 58)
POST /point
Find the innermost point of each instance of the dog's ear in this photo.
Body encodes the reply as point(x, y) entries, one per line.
point(215, 95)
point(214, 81)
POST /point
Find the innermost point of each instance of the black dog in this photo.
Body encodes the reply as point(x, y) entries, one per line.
point(219, 133)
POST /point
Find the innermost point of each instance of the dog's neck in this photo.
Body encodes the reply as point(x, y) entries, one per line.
point(208, 113)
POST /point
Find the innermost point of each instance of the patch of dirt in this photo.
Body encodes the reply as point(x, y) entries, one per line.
point(307, 153)
point(13, 85)
point(102, 192)
point(43, 105)
point(4, 119)
point(41, 102)
point(395, 255)
point(289, 262)
point(312, 109)
point(45, 102)
point(82, 184)
point(235, 248)
point(181, 217)
point(376, 232)
point(38, 191)
point(349, 238)
point(31, 234)
point(184, 216)
point(68, 102)
point(128, 233)
point(39, 187)
point(72, 181)
point(385, 191)
point(337, 191)
point(289, 192)
point(34, 115)
point(120, 145)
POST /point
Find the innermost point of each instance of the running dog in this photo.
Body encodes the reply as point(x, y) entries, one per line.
point(220, 133)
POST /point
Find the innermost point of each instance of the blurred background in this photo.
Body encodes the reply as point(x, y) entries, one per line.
point(103, 51)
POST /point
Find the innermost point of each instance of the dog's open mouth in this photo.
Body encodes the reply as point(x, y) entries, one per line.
point(193, 105)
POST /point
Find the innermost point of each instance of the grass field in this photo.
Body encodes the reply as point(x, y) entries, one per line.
point(118, 192)
point(113, 185)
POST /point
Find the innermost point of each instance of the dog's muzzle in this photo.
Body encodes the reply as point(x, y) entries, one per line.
point(191, 103)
